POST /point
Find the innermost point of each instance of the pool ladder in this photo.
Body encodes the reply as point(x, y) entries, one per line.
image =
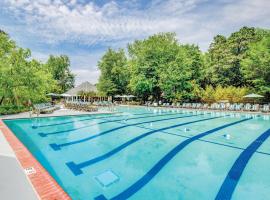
point(36, 119)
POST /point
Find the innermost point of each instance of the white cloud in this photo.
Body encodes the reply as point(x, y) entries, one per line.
point(114, 24)
point(83, 64)
point(89, 24)
point(247, 11)
point(83, 75)
point(59, 21)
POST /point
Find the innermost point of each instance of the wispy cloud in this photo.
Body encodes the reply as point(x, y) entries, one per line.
point(91, 24)
point(47, 25)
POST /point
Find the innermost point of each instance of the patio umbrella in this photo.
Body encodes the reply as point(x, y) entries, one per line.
point(52, 94)
point(253, 96)
point(130, 96)
point(224, 101)
point(65, 95)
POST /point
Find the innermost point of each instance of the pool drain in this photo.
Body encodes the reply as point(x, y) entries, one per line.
point(107, 178)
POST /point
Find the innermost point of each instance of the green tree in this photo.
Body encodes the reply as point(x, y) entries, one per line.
point(226, 54)
point(21, 79)
point(181, 78)
point(114, 73)
point(2, 32)
point(148, 58)
point(162, 67)
point(59, 66)
point(256, 66)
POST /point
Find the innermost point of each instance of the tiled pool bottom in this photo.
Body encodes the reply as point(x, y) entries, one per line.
point(147, 153)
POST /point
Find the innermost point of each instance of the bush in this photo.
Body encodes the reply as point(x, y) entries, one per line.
point(232, 94)
point(12, 109)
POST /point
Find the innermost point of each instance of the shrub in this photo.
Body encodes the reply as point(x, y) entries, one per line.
point(232, 94)
point(11, 109)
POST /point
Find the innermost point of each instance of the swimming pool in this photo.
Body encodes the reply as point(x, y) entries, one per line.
point(151, 153)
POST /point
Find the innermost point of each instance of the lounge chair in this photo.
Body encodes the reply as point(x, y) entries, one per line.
point(205, 106)
point(238, 107)
point(212, 106)
point(217, 107)
point(255, 107)
point(198, 105)
point(232, 107)
point(266, 108)
point(222, 106)
point(247, 107)
point(44, 108)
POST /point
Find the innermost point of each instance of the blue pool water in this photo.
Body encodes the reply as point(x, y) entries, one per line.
point(149, 153)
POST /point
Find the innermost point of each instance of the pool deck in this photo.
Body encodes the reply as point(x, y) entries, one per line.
point(15, 159)
point(15, 184)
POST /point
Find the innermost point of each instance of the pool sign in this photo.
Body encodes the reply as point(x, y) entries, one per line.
point(29, 170)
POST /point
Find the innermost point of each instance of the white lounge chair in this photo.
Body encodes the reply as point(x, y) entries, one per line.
point(266, 108)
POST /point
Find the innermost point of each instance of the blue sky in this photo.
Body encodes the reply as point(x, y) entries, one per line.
point(84, 29)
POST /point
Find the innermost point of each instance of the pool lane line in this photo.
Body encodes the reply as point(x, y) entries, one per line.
point(76, 168)
point(201, 140)
point(42, 134)
point(131, 190)
point(92, 117)
point(57, 147)
point(229, 184)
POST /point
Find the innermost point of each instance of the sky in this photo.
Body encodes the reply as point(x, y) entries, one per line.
point(85, 29)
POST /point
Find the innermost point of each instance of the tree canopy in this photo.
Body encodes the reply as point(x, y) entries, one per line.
point(159, 67)
point(59, 67)
point(256, 66)
point(23, 79)
point(114, 73)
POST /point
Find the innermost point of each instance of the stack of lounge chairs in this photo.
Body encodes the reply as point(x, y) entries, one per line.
point(44, 108)
point(81, 106)
point(103, 103)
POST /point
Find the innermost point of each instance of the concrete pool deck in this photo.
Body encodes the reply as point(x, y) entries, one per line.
point(14, 182)
point(21, 175)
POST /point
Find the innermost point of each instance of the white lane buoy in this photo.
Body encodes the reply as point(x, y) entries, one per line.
point(186, 129)
point(227, 136)
point(151, 124)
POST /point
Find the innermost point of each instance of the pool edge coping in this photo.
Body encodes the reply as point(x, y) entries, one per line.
point(42, 182)
point(3, 117)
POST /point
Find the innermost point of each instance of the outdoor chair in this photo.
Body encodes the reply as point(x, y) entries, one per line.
point(205, 106)
point(247, 107)
point(266, 108)
point(44, 108)
point(255, 107)
point(238, 107)
point(222, 106)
